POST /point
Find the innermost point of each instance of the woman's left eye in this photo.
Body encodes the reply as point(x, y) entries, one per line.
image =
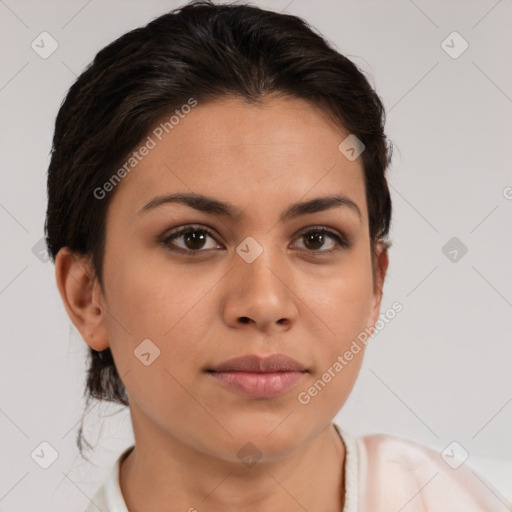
point(195, 237)
point(316, 237)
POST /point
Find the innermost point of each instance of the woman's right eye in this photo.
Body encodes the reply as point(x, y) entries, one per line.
point(193, 238)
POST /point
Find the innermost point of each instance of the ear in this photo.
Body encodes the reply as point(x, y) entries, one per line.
point(82, 297)
point(379, 269)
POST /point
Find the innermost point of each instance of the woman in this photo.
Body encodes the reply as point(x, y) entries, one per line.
point(218, 216)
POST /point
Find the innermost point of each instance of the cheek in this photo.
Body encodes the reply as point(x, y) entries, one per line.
point(344, 309)
point(161, 304)
point(152, 298)
point(170, 313)
point(339, 352)
point(326, 392)
point(346, 301)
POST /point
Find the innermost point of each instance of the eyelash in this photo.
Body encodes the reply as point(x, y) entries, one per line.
point(340, 240)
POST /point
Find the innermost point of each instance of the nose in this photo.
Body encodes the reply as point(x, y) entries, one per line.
point(260, 295)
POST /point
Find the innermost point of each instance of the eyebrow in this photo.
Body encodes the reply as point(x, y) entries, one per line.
point(213, 206)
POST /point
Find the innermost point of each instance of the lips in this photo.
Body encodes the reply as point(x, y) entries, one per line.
point(255, 364)
point(258, 377)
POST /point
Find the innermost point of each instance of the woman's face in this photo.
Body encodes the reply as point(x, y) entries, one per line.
point(257, 283)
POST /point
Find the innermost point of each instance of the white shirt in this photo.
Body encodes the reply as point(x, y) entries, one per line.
point(383, 473)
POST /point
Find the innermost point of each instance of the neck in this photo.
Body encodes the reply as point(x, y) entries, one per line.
point(312, 478)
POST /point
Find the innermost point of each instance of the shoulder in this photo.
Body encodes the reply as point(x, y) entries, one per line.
point(397, 472)
point(98, 501)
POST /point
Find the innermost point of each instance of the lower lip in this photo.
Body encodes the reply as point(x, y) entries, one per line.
point(259, 385)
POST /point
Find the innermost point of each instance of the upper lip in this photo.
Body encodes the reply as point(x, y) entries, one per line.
point(257, 364)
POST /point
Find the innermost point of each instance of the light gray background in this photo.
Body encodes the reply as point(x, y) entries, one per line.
point(440, 371)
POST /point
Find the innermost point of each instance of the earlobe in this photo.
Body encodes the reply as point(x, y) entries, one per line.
point(83, 303)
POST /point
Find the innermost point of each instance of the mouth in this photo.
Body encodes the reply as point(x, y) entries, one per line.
point(258, 384)
point(259, 377)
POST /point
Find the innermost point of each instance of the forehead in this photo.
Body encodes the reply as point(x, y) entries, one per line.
point(265, 155)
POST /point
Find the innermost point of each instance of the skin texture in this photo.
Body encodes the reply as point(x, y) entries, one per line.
point(294, 298)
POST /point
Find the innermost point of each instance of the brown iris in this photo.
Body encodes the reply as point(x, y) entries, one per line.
point(316, 239)
point(194, 239)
